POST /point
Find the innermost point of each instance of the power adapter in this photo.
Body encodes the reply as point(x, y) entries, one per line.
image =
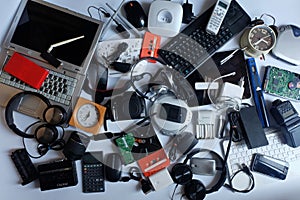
point(252, 129)
point(232, 90)
point(187, 12)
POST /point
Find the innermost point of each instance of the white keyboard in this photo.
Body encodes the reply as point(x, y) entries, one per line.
point(239, 153)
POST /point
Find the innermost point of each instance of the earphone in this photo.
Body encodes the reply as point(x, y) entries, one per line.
point(194, 189)
point(46, 133)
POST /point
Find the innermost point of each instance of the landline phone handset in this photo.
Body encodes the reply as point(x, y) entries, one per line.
point(217, 16)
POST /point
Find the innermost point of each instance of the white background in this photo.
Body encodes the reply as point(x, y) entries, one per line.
point(285, 12)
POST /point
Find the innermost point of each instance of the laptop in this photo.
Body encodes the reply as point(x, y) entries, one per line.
point(36, 26)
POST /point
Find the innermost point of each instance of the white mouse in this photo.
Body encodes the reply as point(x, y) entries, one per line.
point(288, 44)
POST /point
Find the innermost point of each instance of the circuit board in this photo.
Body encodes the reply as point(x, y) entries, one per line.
point(125, 144)
point(282, 83)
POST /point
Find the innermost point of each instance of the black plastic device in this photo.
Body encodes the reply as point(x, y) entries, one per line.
point(92, 172)
point(24, 166)
point(76, 145)
point(283, 111)
point(188, 14)
point(287, 117)
point(252, 129)
point(58, 174)
point(173, 113)
point(186, 54)
point(113, 167)
point(269, 166)
point(135, 14)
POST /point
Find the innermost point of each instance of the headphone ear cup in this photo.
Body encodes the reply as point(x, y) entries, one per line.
point(46, 134)
point(55, 115)
point(195, 190)
point(181, 173)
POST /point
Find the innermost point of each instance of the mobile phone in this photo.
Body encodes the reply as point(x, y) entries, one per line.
point(269, 166)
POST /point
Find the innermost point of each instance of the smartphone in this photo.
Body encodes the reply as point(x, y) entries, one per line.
point(269, 166)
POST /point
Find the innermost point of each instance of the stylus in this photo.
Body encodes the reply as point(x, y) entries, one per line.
point(63, 42)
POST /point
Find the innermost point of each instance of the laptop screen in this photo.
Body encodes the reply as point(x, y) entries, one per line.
point(41, 26)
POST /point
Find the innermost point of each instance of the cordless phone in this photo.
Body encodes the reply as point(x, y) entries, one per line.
point(217, 16)
point(92, 172)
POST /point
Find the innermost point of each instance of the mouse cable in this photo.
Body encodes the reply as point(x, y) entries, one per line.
point(100, 10)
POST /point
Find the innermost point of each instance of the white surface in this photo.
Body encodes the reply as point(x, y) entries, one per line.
point(285, 12)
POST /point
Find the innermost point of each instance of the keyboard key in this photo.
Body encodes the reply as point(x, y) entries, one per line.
point(182, 48)
point(55, 85)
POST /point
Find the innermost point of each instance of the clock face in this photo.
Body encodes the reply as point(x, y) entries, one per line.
point(88, 115)
point(262, 38)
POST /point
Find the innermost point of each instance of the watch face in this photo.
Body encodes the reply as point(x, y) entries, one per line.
point(88, 115)
point(262, 38)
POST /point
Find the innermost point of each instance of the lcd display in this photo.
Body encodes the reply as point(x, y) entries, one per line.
point(40, 26)
point(173, 113)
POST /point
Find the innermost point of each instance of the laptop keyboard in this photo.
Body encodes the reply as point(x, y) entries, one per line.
point(193, 46)
point(56, 87)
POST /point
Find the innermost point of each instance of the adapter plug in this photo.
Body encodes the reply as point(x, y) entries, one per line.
point(232, 90)
point(188, 14)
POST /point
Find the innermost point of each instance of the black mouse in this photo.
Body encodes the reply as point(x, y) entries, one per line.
point(113, 167)
point(135, 14)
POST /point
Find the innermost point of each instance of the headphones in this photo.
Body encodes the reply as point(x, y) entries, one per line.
point(194, 189)
point(46, 133)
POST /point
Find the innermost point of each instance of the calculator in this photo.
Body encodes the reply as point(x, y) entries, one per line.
point(92, 172)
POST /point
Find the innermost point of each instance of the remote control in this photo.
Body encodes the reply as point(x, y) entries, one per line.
point(217, 16)
point(92, 172)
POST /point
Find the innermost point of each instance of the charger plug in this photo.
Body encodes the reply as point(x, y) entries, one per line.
point(187, 12)
point(232, 91)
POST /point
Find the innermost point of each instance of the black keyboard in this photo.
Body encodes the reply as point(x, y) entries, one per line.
point(193, 46)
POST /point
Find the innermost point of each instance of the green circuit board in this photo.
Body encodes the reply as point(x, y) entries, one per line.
point(282, 83)
point(125, 144)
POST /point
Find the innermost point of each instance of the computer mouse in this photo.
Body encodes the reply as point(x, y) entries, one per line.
point(135, 14)
point(113, 167)
point(287, 45)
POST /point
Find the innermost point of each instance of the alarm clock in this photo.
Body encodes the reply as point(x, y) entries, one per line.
point(87, 116)
point(258, 39)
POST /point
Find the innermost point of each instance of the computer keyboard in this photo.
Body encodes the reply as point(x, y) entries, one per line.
point(239, 153)
point(56, 87)
point(193, 46)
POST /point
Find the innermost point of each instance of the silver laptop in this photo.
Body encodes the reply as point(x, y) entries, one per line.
point(36, 26)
